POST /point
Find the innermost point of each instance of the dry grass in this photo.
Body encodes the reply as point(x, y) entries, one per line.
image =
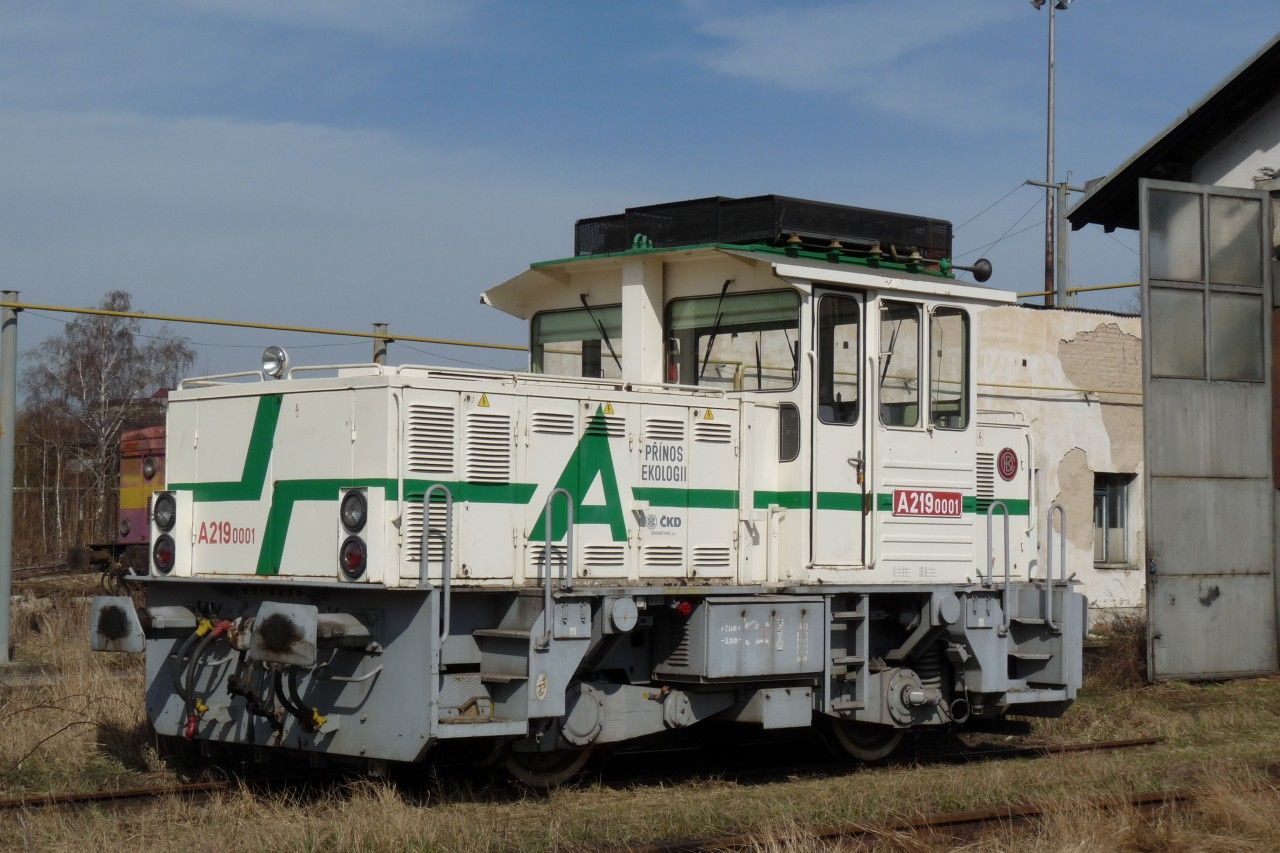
point(90, 732)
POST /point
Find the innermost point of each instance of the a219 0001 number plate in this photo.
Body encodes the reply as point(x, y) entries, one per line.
point(928, 503)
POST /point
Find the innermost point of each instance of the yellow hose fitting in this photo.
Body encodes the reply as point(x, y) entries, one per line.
point(200, 707)
point(317, 719)
point(204, 627)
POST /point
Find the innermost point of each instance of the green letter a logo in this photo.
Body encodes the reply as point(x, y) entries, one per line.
point(591, 460)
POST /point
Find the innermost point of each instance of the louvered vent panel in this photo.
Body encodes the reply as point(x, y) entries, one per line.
point(712, 432)
point(678, 640)
point(488, 453)
point(663, 559)
point(412, 530)
point(610, 425)
point(604, 559)
point(537, 553)
point(552, 423)
point(663, 429)
point(714, 560)
point(986, 481)
point(432, 436)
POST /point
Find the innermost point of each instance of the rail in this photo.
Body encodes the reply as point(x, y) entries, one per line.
point(446, 564)
point(567, 581)
point(991, 572)
point(1062, 558)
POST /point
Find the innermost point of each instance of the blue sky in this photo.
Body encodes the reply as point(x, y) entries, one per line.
point(339, 163)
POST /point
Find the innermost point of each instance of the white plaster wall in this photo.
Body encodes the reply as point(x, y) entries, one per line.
point(1235, 161)
point(1069, 368)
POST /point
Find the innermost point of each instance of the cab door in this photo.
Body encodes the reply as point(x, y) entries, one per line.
point(838, 499)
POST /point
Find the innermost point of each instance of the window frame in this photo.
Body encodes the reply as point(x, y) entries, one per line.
point(919, 424)
point(1105, 484)
point(668, 334)
point(604, 351)
point(859, 304)
point(967, 383)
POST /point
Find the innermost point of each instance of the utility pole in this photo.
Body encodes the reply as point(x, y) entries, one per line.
point(1061, 279)
point(8, 418)
point(1050, 222)
point(380, 340)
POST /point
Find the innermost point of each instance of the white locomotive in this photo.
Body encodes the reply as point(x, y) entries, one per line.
point(745, 478)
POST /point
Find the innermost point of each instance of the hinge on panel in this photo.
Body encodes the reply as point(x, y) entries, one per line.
point(195, 439)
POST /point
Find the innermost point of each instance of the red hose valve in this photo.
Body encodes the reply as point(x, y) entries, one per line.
point(189, 730)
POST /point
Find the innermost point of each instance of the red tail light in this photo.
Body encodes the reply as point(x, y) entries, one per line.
point(682, 608)
point(163, 553)
point(352, 557)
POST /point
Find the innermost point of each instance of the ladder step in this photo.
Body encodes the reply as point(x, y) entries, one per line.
point(1026, 620)
point(1030, 656)
point(847, 615)
point(856, 660)
point(502, 677)
point(503, 633)
point(846, 705)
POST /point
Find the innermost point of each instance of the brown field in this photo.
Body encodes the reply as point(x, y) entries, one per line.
point(88, 731)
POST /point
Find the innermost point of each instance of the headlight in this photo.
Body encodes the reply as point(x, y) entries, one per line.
point(149, 467)
point(162, 553)
point(274, 361)
point(352, 557)
point(354, 510)
point(124, 527)
point(164, 511)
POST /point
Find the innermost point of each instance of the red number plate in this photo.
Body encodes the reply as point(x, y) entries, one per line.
point(927, 503)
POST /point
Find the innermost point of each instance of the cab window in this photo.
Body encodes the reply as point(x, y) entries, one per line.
point(578, 342)
point(899, 364)
point(735, 341)
point(949, 368)
point(838, 359)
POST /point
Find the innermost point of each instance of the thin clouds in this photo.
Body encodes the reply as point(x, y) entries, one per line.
point(398, 20)
point(906, 57)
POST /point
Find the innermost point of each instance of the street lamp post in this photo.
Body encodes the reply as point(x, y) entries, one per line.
point(1050, 220)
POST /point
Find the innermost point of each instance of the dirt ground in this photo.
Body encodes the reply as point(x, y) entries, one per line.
point(88, 731)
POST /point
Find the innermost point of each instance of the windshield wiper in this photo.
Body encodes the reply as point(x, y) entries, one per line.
point(604, 336)
point(715, 328)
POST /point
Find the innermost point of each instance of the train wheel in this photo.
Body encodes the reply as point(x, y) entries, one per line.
point(864, 741)
point(545, 770)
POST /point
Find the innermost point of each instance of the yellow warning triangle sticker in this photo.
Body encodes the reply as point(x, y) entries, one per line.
point(484, 401)
point(708, 416)
point(608, 408)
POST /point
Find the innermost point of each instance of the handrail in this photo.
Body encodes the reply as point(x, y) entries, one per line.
point(446, 566)
point(1004, 627)
point(1062, 556)
point(567, 581)
point(218, 379)
point(373, 369)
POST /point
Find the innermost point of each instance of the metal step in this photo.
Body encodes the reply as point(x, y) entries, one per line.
point(1026, 620)
point(503, 633)
point(846, 705)
point(856, 660)
point(502, 677)
point(1030, 656)
point(848, 615)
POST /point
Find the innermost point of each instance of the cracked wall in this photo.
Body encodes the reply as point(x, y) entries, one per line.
point(1076, 377)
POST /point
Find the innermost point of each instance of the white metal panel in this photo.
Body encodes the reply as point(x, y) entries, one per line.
point(1207, 440)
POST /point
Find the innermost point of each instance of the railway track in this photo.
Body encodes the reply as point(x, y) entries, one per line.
point(948, 825)
point(745, 775)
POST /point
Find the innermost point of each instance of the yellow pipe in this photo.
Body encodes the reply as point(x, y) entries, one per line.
point(1083, 289)
point(1061, 390)
point(273, 327)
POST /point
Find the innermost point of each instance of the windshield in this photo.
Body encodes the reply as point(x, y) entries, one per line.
point(752, 348)
point(568, 343)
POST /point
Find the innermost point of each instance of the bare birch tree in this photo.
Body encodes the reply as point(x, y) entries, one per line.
point(99, 375)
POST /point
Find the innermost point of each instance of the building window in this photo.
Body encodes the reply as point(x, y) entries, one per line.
point(1111, 518)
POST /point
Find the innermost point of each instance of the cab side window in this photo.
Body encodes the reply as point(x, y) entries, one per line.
point(949, 368)
point(899, 364)
point(838, 359)
point(578, 342)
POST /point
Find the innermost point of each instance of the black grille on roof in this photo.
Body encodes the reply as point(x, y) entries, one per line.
point(769, 219)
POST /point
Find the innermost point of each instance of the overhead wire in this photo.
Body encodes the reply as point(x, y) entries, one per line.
point(1007, 232)
point(1015, 188)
